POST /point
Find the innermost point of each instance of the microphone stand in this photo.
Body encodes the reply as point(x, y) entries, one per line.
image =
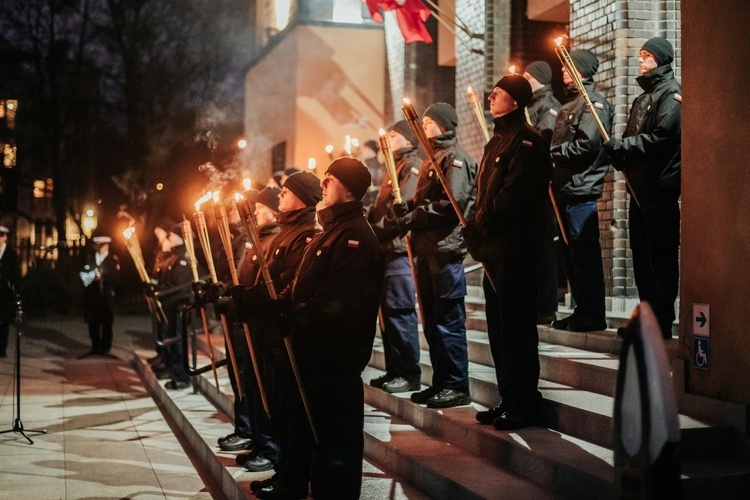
point(17, 424)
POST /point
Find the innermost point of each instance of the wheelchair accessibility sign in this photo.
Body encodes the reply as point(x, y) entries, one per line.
point(701, 352)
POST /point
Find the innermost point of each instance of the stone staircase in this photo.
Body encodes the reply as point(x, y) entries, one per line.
point(415, 452)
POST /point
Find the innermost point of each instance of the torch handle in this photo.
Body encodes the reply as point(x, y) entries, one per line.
point(479, 115)
point(570, 67)
point(202, 230)
point(390, 166)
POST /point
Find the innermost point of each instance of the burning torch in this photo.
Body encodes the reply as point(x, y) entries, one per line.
point(202, 230)
point(570, 67)
point(222, 222)
point(134, 249)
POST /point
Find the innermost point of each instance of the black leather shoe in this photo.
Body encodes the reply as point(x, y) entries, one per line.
point(174, 385)
point(378, 382)
point(514, 419)
point(222, 439)
point(448, 398)
point(489, 416)
point(278, 491)
point(561, 324)
point(258, 464)
point(264, 483)
point(244, 458)
point(544, 318)
point(400, 384)
point(421, 397)
point(586, 324)
point(236, 443)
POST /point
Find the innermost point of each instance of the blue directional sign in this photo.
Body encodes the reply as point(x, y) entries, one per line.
point(701, 352)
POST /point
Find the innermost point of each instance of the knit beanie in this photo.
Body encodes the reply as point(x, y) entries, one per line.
point(306, 187)
point(541, 71)
point(586, 62)
point(444, 115)
point(661, 49)
point(372, 144)
point(517, 87)
point(269, 197)
point(352, 174)
point(402, 127)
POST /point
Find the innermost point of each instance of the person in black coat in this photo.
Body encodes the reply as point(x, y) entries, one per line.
point(332, 307)
point(99, 275)
point(577, 183)
point(397, 304)
point(9, 287)
point(506, 235)
point(649, 153)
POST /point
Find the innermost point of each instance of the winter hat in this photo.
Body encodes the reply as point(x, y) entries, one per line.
point(586, 62)
point(251, 195)
point(444, 115)
point(4, 230)
point(305, 186)
point(372, 144)
point(352, 174)
point(269, 197)
point(541, 71)
point(661, 49)
point(517, 87)
point(402, 127)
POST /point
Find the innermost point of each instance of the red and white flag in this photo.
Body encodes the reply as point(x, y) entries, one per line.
point(410, 15)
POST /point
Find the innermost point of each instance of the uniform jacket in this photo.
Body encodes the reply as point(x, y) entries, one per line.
point(649, 150)
point(407, 170)
point(248, 267)
point(336, 293)
point(543, 110)
point(512, 187)
point(283, 256)
point(99, 296)
point(176, 276)
point(434, 225)
point(578, 173)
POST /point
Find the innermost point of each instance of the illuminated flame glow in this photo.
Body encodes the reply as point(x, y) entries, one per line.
point(329, 149)
point(381, 132)
point(311, 163)
point(246, 184)
point(215, 196)
point(559, 40)
point(512, 69)
point(405, 101)
point(128, 232)
point(348, 145)
point(238, 197)
point(202, 200)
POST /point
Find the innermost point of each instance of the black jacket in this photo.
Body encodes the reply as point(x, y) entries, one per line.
point(434, 225)
point(543, 110)
point(174, 284)
point(512, 187)
point(99, 295)
point(649, 151)
point(249, 266)
point(10, 278)
point(385, 228)
point(579, 170)
point(336, 293)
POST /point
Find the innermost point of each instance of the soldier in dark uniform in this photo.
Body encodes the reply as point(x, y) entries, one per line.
point(174, 291)
point(649, 152)
point(543, 110)
point(440, 250)
point(507, 236)
point(9, 287)
point(297, 201)
point(252, 428)
point(99, 275)
point(577, 182)
point(332, 306)
point(398, 301)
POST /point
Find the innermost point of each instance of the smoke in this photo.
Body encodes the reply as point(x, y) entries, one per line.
point(219, 177)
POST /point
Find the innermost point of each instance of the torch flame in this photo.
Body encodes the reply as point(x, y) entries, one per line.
point(405, 101)
point(238, 197)
point(128, 232)
point(348, 145)
point(355, 142)
point(246, 184)
point(202, 200)
point(469, 90)
point(311, 163)
point(512, 69)
point(559, 40)
point(329, 149)
point(381, 132)
point(215, 196)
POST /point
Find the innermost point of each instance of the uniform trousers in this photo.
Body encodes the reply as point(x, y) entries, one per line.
point(442, 289)
point(655, 243)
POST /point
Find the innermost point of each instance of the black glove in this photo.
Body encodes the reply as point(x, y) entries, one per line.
point(149, 289)
point(224, 305)
point(475, 243)
point(400, 209)
point(609, 155)
point(401, 226)
point(200, 290)
point(217, 290)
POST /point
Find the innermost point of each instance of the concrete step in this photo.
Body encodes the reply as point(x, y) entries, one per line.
point(194, 411)
point(572, 409)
